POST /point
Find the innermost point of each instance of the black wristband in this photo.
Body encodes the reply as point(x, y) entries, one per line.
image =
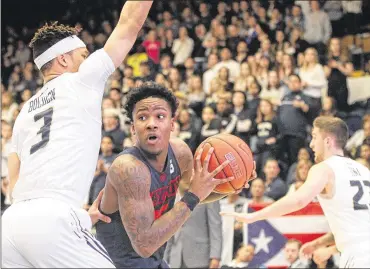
point(190, 199)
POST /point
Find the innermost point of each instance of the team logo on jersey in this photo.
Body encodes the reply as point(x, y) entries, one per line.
point(172, 168)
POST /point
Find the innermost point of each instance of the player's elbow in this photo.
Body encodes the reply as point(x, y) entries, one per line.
point(143, 251)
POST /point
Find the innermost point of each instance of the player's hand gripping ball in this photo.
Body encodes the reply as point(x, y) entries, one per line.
point(234, 149)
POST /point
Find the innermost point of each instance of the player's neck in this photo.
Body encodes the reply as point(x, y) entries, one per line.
point(158, 162)
point(334, 152)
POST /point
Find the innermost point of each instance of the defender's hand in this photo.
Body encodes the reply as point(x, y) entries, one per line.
point(94, 212)
point(242, 217)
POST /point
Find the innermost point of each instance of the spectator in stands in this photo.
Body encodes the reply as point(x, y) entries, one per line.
point(359, 136)
point(8, 107)
point(243, 257)
point(165, 65)
point(335, 13)
point(210, 72)
point(287, 68)
point(313, 79)
point(257, 193)
point(291, 251)
point(188, 129)
point(253, 98)
point(275, 186)
point(317, 28)
point(212, 124)
point(224, 113)
point(198, 243)
point(352, 16)
point(303, 167)
point(226, 61)
point(241, 52)
point(182, 47)
point(274, 90)
point(244, 123)
point(293, 119)
point(297, 42)
point(337, 70)
point(167, 42)
point(303, 155)
point(241, 81)
point(111, 127)
point(266, 128)
point(105, 160)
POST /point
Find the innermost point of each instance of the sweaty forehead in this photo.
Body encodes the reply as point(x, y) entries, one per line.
point(151, 103)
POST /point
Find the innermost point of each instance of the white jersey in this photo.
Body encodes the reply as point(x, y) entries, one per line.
point(58, 132)
point(348, 211)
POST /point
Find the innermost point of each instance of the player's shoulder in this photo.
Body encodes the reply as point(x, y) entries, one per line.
point(127, 167)
point(181, 150)
point(322, 168)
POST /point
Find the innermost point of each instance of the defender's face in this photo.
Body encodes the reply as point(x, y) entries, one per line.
point(152, 125)
point(317, 144)
point(78, 56)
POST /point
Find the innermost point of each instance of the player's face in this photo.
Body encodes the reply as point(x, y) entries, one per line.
point(78, 56)
point(152, 124)
point(317, 144)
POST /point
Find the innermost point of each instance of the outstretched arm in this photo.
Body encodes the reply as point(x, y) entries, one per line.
point(132, 18)
point(318, 176)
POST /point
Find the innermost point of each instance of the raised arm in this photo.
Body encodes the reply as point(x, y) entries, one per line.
point(132, 18)
point(131, 180)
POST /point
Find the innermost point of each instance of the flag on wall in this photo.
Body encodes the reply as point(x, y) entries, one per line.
point(269, 236)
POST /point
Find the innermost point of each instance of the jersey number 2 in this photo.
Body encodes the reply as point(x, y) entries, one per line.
point(359, 194)
point(47, 115)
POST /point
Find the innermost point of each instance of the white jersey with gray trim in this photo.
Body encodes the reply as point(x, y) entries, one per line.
point(58, 132)
point(348, 211)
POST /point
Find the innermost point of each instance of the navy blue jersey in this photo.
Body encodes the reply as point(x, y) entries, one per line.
point(163, 191)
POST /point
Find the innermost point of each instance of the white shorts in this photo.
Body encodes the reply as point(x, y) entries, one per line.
point(356, 258)
point(46, 233)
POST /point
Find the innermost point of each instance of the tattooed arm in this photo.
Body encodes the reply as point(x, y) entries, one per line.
point(185, 160)
point(131, 180)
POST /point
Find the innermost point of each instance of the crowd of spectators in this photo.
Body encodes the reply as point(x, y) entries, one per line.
point(261, 70)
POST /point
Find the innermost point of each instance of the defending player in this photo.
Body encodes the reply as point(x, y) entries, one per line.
point(55, 147)
point(342, 187)
point(142, 183)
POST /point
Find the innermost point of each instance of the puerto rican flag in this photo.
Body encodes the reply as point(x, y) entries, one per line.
point(269, 236)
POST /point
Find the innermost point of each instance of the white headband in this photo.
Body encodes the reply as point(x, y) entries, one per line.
point(63, 46)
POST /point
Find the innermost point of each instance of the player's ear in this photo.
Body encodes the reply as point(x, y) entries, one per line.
point(61, 59)
point(173, 124)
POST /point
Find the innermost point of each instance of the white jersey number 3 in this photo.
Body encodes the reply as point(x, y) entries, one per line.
point(47, 115)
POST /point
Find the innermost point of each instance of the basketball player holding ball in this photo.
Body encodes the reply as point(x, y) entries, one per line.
point(141, 185)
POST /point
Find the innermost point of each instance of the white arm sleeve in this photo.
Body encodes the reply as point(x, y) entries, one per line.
point(95, 70)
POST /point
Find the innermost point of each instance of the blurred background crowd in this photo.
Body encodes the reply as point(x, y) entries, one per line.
point(261, 70)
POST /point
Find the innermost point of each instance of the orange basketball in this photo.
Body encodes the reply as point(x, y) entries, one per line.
point(234, 149)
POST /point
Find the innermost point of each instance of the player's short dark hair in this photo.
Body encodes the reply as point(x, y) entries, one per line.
point(149, 89)
point(334, 126)
point(47, 36)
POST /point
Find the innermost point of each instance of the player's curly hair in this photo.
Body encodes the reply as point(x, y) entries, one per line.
point(47, 36)
point(146, 90)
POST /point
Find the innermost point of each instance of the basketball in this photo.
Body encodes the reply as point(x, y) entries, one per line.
point(234, 149)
